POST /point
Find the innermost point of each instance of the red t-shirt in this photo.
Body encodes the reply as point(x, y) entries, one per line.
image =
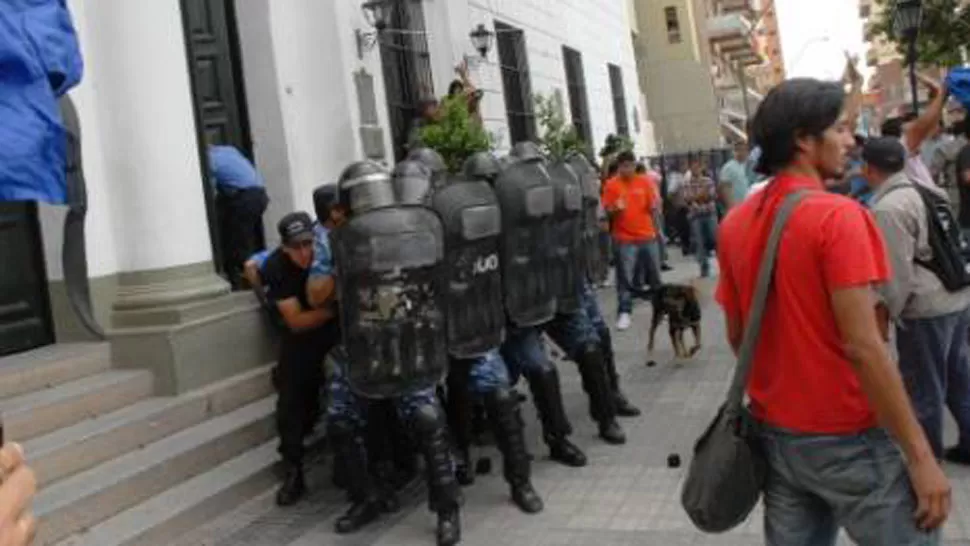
point(639, 195)
point(801, 379)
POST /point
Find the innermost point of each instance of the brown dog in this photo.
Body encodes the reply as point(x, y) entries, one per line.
point(679, 304)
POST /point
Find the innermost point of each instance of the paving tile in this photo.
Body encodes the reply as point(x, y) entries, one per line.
point(626, 496)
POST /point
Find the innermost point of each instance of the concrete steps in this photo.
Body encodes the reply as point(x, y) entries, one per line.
point(51, 366)
point(83, 500)
point(83, 445)
point(33, 414)
point(187, 506)
point(118, 465)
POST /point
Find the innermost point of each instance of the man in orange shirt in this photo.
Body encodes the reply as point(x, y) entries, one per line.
point(822, 383)
point(631, 200)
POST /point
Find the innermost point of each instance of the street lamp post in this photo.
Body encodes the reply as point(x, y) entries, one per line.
point(907, 19)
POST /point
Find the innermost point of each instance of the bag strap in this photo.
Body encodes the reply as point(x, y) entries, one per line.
point(753, 328)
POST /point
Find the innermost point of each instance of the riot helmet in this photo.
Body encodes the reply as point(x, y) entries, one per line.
point(365, 185)
point(580, 163)
point(434, 162)
point(412, 182)
point(526, 151)
point(482, 166)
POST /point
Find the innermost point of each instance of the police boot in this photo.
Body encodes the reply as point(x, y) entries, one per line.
point(592, 370)
point(365, 501)
point(386, 476)
point(458, 408)
point(449, 527)
point(293, 487)
point(623, 406)
point(547, 396)
point(444, 493)
point(464, 472)
point(503, 409)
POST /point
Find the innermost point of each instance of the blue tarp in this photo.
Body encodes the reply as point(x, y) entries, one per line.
point(958, 82)
point(40, 60)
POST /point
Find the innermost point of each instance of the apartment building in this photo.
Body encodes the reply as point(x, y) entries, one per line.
point(693, 58)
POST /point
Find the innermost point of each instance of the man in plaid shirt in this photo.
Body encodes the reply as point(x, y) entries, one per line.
point(700, 195)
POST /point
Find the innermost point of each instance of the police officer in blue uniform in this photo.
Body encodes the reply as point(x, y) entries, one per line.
point(241, 201)
point(472, 223)
point(594, 267)
point(522, 350)
point(394, 341)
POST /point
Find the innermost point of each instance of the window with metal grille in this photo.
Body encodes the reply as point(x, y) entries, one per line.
point(673, 24)
point(516, 84)
point(576, 83)
point(619, 100)
point(407, 70)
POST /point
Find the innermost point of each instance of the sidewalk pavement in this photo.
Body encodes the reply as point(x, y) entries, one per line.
point(625, 496)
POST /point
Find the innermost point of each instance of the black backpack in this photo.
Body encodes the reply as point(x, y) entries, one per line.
point(950, 248)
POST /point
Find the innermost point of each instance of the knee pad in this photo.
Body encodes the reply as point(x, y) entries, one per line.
point(427, 419)
point(501, 395)
point(340, 429)
point(544, 373)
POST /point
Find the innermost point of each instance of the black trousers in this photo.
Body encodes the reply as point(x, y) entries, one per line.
point(299, 378)
point(240, 222)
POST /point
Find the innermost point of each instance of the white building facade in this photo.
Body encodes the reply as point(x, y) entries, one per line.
point(304, 88)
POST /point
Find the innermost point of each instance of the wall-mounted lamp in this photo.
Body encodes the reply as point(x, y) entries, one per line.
point(482, 39)
point(378, 15)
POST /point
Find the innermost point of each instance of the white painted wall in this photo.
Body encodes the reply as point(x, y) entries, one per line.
point(139, 148)
point(299, 63)
point(599, 29)
point(102, 257)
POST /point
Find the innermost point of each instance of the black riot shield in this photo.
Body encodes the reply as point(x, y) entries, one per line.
point(527, 199)
point(595, 261)
point(565, 252)
point(473, 223)
point(390, 285)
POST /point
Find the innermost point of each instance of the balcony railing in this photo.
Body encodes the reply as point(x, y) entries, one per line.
point(728, 6)
point(730, 26)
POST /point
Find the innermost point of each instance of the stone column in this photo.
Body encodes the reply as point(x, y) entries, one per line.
point(172, 313)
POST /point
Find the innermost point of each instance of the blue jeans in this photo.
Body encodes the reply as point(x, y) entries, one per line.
point(934, 360)
point(817, 484)
point(703, 229)
point(628, 256)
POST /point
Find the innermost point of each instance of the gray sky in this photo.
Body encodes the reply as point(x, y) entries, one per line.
point(814, 34)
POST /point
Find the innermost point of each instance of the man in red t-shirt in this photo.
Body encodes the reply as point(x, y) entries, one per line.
point(631, 200)
point(822, 380)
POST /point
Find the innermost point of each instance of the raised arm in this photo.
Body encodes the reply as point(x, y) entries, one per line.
point(924, 126)
point(853, 104)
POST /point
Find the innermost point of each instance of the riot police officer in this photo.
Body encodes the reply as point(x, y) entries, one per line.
point(472, 223)
point(388, 269)
point(570, 328)
point(596, 269)
point(523, 263)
